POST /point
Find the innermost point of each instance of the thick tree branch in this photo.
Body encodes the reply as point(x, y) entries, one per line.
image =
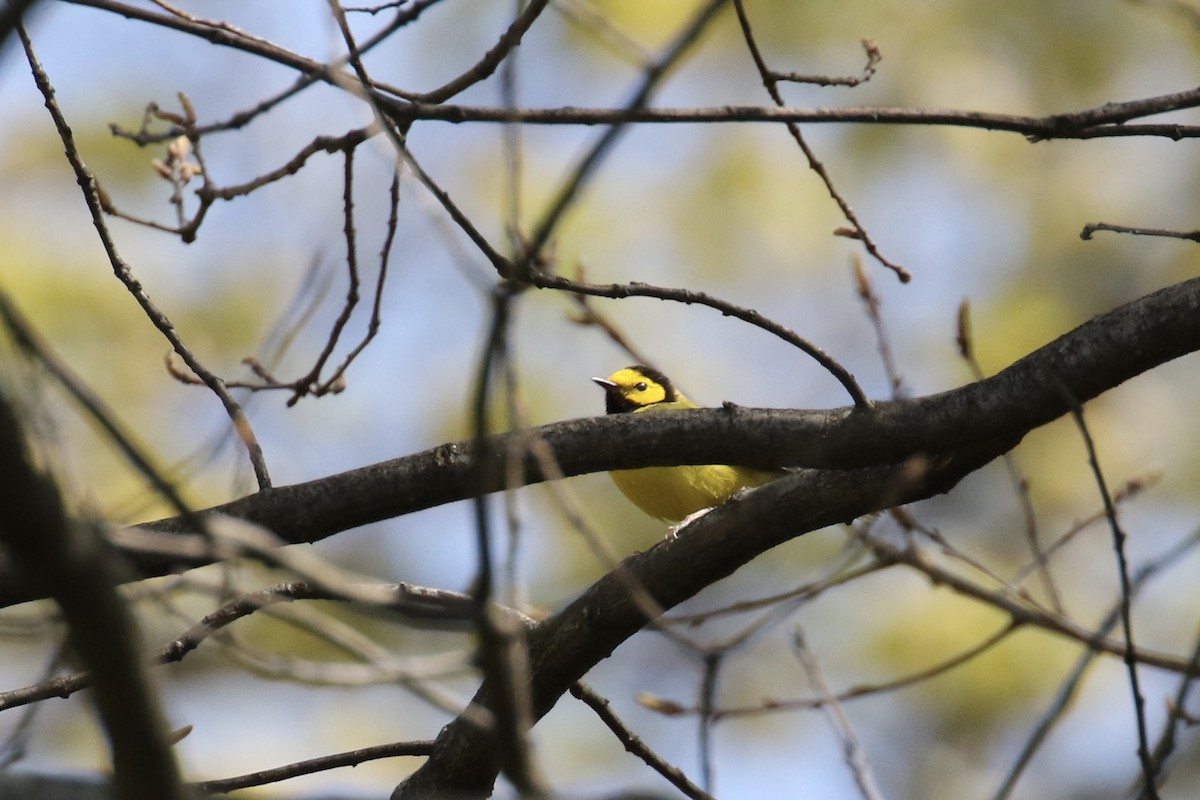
point(1087, 361)
point(563, 648)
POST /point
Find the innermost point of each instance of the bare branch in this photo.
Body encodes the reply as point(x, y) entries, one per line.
point(634, 744)
point(314, 765)
point(1118, 535)
point(91, 194)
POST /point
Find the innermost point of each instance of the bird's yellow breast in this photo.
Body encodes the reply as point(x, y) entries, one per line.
point(672, 493)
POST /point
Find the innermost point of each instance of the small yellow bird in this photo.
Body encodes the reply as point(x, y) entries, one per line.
point(670, 493)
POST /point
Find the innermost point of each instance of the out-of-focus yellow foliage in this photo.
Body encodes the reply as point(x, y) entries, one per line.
point(990, 689)
point(1018, 322)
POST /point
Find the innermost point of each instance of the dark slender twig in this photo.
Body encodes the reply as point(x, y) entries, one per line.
point(512, 142)
point(490, 61)
point(705, 721)
point(806, 592)
point(501, 264)
point(305, 80)
point(634, 744)
point(261, 48)
point(1131, 489)
point(874, 56)
point(446, 608)
point(588, 314)
point(209, 192)
point(1023, 613)
point(385, 252)
point(345, 144)
point(1092, 227)
point(352, 281)
point(1067, 690)
point(1176, 713)
point(143, 136)
point(314, 765)
point(544, 280)
point(1118, 534)
point(1108, 120)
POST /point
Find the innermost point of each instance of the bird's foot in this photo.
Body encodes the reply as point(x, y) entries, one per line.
point(673, 531)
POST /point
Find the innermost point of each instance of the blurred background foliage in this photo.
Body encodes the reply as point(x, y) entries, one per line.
point(731, 210)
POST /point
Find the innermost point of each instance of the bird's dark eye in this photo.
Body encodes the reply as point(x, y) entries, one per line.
point(640, 386)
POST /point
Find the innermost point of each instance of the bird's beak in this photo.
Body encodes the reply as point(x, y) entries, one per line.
point(605, 382)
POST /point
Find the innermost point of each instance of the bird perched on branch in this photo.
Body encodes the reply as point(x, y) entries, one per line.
point(677, 493)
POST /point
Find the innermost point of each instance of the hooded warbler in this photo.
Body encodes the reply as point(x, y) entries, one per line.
point(670, 493)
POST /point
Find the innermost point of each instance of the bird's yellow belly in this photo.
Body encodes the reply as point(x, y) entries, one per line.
point(672, 493)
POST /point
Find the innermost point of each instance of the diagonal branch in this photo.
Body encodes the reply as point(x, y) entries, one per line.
point(564, 647)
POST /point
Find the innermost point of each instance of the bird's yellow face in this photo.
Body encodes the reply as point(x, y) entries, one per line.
point(635, 388)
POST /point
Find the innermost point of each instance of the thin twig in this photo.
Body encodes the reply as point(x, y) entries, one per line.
point(707, 717)
point(124, 273)
point(634, 744)
point(1025, 614)
point(1066, 693)
point(545, 280)
point(773, 706)
point(1092, 227)
point(351, 758)
point(1129, 490)
point(1176, 713)
point(587, 314)
point(874, 56)
point(490, 61)
point(872, 303)
point(1148, 764)
point(852, 749)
